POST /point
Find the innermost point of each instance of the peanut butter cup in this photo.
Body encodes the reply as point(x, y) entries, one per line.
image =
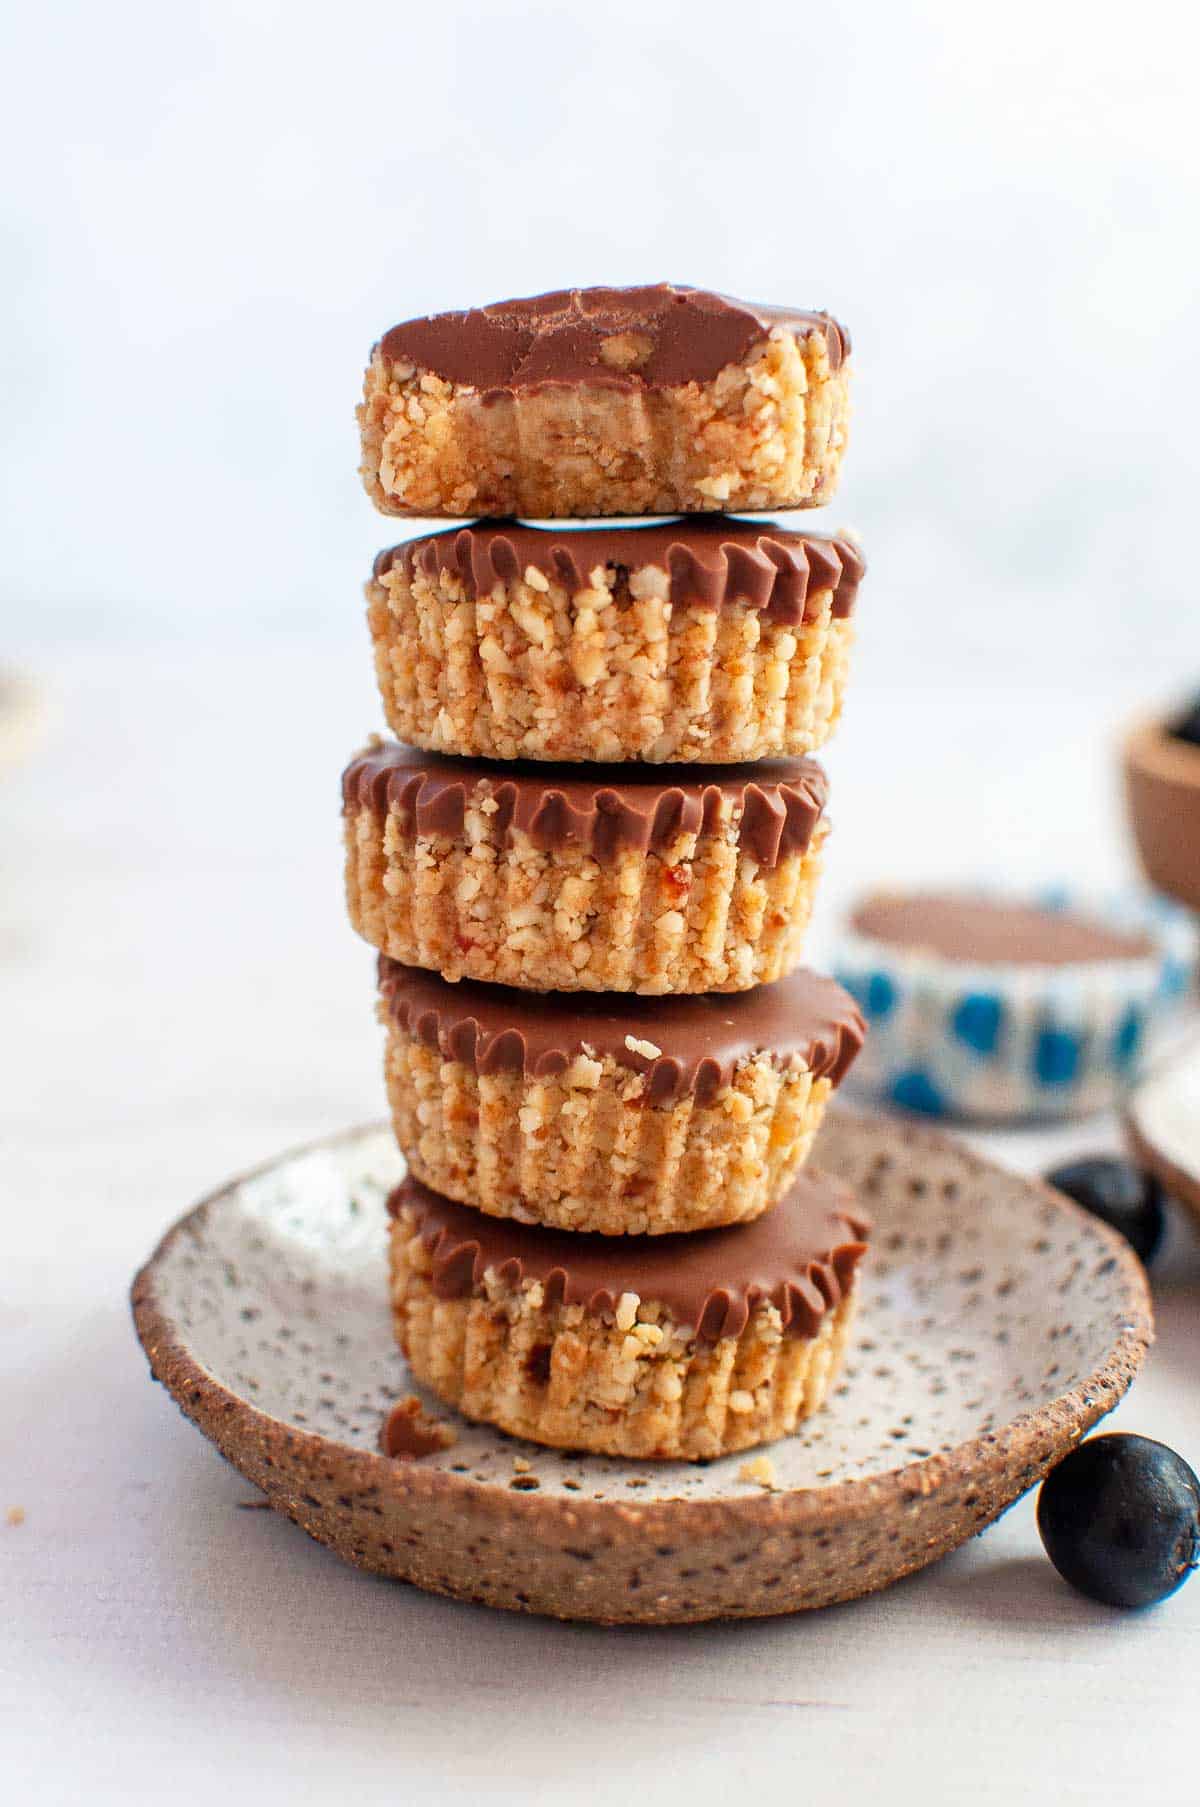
point(697, 640)
point(586, 402)
point(664, 1346)
point(647, 879)
point(626, 1116)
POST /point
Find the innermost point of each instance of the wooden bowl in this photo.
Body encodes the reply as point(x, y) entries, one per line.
point(1162, 795)
point(999, 1322)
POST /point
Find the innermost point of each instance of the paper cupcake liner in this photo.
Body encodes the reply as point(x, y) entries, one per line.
point(999, 1042)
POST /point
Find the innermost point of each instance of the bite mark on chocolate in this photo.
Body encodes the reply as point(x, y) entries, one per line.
point(560, 337)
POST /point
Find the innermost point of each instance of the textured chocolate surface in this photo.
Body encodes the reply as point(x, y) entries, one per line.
point(801, 1256)
point(990, 931)
point(709, 562)
point(493, 1029)
point(599, 809)
point(656, 337)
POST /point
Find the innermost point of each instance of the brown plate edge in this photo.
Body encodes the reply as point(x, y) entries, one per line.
point(665, 1562)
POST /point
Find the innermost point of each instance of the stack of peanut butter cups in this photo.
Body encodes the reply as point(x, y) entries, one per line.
point(589, 861)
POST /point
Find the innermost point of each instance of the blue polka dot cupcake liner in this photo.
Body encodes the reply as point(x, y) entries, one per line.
point(1017, 1042)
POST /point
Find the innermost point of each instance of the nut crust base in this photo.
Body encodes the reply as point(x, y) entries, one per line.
point(584, 1150)
point(698, 917)
point(612, 672)
point(766, 433)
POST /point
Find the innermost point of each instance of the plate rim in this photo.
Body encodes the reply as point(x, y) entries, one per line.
point(207, 1401)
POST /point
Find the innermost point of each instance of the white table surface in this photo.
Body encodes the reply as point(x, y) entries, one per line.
point(182, 998)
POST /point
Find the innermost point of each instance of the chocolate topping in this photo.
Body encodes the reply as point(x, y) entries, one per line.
point(493, 1029)
point(656, 337)
point(709, 562)
point(992, 931)
point(596, 808)
point(801, 1256)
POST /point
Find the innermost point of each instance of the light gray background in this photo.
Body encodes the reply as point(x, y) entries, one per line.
point(212, 210)
point(208, 213)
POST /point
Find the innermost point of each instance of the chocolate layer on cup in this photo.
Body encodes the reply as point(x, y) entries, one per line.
point(710, 563)
point(989, 931)
point(800, 1257)
point(656, 337)
point(598, 810)
point(682, 1045)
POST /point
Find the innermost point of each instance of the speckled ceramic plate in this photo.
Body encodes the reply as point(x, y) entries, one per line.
point(999, 1322)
